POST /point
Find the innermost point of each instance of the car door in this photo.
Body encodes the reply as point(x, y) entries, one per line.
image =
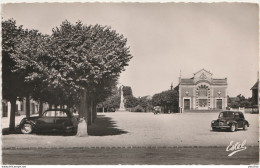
point(241, 120)
point(238, 120)
point(62, 120)
point(47, 121)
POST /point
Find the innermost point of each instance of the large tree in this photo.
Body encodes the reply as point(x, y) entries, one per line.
point(12, 82)
point(31, 57)
point(88, 58)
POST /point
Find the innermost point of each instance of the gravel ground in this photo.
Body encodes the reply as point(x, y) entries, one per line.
point(125, 129)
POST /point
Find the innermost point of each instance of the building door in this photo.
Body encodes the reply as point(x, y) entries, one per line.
point(203, 104)
point(219, 103)
point(186, 104)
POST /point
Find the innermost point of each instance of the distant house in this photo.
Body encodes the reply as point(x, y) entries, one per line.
point(255, 96)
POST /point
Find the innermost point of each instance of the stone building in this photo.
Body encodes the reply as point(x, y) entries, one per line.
point(202, 92)
point(21, 107)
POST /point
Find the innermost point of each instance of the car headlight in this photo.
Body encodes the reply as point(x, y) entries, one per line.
point(212, 122)
point(227, 122)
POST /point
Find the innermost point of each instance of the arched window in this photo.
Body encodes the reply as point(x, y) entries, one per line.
point(203, 91)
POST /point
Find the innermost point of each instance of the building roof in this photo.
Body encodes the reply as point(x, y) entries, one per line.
point(186, 81)
point(190, 81)
point(196, 78)
point(255, 86)
point(203, 70)
point(219, 81)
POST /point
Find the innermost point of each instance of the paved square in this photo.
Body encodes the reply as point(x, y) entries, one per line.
point(143, 130)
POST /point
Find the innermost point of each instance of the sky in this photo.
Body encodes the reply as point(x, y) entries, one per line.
point(165, 39)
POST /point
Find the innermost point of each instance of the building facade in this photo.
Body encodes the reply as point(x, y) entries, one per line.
point(202, 92)
point(21, 107)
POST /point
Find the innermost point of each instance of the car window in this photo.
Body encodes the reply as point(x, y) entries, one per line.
point(226, 115)
point(236, 115)
point(61, 114)
point(49, 114)
point(241, 115)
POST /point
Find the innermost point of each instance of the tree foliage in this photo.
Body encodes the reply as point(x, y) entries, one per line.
point(74, 58)
point(13, 85)
point(239, 101)
point(146, 103)
point(127, 91)
point(168, 99)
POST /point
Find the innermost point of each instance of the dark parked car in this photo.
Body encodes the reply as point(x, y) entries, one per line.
point(51, 120)
point(230, 120)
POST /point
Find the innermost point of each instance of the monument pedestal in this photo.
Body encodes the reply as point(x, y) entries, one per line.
point(122, 104)
point(121, 110)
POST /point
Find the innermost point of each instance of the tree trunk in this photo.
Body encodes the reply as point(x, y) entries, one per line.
point(91, 109)
point(28, 106)
point(82, 126)
point(40, 108)
point(12, 115)
point(88, 109)
point(95, 109)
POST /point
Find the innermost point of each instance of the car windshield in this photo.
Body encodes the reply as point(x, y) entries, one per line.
point(226, 115)
point(55, 113)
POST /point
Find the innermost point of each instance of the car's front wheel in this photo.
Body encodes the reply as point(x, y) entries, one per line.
point(26, 128)
point(245, 126)
point(232, 127)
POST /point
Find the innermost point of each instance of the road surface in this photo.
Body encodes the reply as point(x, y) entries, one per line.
point(130, 156)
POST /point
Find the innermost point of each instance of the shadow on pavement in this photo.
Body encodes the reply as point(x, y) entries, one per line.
point(104, 126)
point(228, 131)
point(6, 131)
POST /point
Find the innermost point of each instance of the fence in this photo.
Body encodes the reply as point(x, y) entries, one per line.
point(245, 110)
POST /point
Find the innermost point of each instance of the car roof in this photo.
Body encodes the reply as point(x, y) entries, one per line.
point(231, 112)
point(57, 110)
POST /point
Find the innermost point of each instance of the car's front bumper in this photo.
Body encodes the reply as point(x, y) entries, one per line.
point(222, 126)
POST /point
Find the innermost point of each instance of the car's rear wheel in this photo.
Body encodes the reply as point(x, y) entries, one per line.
point(26, 128)
point(233, 128)
point(245, 126)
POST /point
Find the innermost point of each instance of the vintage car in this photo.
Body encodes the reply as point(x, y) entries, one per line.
point(231, 120)
point(51, 120)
